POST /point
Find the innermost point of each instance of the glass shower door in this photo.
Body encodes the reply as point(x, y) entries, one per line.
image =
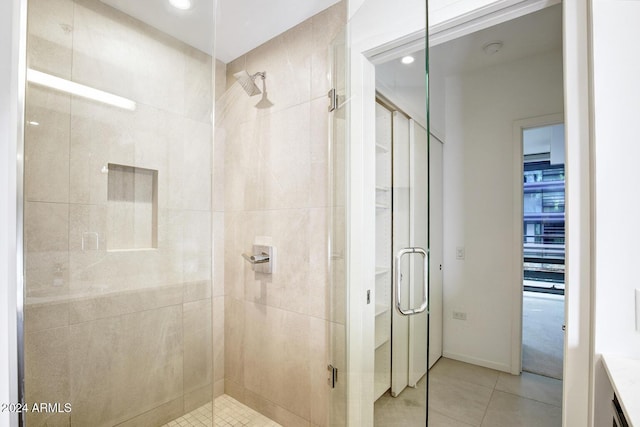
point(337, 369)
point(119, 296)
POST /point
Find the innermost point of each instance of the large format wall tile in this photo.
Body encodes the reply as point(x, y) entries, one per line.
point(287, 62)
point(268, 162)
point(137, 356)
point(286, 156)
point(325, 27)
point(276, 357)
point(100, 135)
point(234, 327)
point(198, 346)
point(198, 82)
point(242, 165)
point(50, 36)
point(218, 339)
point(198, 156)
point(47, 249)
point(118, 54)
point(276, 191)
point(47, 153)
point(110, 381)
point(196, 241)
point(116, 304)
point(47, 373)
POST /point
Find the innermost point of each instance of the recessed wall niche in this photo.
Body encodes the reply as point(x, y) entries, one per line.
point(132, 208)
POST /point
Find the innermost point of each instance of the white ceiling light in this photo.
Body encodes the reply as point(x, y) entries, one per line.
point(53, 82)
point(408, 59)
point(492, 47)
point(181, 4)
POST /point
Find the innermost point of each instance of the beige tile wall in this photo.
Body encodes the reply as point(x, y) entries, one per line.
point(277, 327)
point(124, 336)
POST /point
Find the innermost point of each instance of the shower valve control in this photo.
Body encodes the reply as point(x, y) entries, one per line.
point(262, 259)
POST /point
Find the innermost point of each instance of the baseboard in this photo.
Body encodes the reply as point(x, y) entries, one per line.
point(503, 367)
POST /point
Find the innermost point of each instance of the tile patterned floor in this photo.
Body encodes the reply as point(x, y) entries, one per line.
point(460, 395)
point(463, 395)
point(228, 412)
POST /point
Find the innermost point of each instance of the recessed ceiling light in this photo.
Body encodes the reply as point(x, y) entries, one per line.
point(181, 4)
point(33, 123)
point(408, 59)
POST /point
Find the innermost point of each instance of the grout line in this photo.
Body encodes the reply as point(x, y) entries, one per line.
point(529, 398)
point(487, 408)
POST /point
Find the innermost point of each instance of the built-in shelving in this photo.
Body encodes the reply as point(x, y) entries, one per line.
point(382, 376)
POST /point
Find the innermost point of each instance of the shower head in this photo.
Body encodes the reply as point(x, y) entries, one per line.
point(248, 82)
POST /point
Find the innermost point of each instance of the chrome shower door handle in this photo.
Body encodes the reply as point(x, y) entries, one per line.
point(397, 281)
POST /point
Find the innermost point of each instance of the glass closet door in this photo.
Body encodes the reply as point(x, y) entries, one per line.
point(401, 326)
point(387, 214)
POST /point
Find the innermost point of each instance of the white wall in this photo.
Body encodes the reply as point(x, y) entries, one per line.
point(8, 129)
point(481, 107)
point(616, 95)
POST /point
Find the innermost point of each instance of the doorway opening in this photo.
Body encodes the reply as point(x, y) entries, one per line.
point(475, 96)
point(543, 249)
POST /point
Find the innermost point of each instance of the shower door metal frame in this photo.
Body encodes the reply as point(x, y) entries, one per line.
point(20, 20)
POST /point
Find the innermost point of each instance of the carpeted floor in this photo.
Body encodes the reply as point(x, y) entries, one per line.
point(542, 335)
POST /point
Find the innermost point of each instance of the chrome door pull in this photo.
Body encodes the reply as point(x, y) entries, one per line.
point(397, 290)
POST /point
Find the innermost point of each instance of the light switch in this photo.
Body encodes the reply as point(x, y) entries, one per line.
point(460, 252)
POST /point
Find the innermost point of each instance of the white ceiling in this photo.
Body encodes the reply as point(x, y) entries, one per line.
point(522, 37)
point(242, 25)
point(246, 24)
point(525, 36)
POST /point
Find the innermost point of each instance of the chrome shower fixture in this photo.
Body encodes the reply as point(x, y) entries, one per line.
point(248, 82)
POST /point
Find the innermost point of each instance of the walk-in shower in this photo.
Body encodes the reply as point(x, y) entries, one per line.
point(146, 176)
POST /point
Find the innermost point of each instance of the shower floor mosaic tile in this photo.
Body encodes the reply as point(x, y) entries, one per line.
point(228, 412)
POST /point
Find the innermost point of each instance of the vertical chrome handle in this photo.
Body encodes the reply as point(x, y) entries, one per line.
point(397, 279)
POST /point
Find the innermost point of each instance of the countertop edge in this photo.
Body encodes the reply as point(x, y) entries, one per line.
point(626, 384)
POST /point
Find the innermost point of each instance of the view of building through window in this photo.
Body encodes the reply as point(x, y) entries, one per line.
point(544, 209)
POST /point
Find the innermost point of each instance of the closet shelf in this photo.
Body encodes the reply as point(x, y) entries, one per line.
point(382, 341)
point(381, 148)
point(381, 309)
point(381, 270)
point(381, 188)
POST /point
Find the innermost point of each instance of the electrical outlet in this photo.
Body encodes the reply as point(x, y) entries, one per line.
point(460, 252)
point(460, 315)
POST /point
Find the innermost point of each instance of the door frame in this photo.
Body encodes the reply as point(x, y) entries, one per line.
point(391, 39)
point(518, 169)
